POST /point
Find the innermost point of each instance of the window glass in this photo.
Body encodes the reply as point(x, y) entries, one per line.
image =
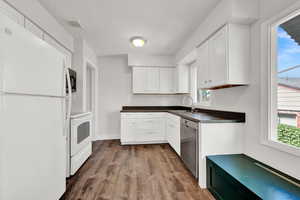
point(198, 95)
point(288, 82)
point(204, 95)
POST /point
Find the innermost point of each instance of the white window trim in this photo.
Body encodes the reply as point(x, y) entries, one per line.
point(197, 100)
point(267, 95)
point(193, 81)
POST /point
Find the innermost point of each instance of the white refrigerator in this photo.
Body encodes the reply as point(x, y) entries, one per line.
point(32, 116)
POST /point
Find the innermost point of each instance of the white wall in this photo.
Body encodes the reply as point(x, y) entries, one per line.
point(37, 13)
point(115, 91)
point(248, 99)
point(83, 56)
point(285, 162)
point(152, 61)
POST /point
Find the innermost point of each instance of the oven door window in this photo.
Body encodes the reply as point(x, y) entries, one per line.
point(83, 132)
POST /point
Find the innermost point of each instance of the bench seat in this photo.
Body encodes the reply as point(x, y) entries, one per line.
point(241, 177)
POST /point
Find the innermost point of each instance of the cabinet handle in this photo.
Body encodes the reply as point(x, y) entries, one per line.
point(149, 121)
point(150, 132)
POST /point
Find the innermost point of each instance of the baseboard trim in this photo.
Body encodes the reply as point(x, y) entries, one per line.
point(107, 137)
point(146, 142)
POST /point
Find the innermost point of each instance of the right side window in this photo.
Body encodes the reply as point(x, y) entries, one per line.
point(285, 86)
point(204, 96)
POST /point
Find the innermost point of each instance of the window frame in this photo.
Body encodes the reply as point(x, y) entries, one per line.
point(269, 85)
point(194, 90)
point(193, 78)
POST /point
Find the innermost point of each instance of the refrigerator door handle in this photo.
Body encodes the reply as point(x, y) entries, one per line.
point(1, 83)
point(69, 98)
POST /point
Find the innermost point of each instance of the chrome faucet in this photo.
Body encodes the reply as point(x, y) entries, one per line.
point(191, 100)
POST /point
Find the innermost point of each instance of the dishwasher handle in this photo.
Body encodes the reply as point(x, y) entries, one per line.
point(189, 124)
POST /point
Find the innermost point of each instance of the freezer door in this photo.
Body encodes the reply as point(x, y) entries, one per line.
point(33, 148)
point(28, 64)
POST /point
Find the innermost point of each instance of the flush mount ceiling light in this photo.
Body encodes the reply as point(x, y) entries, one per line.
point(138, 41)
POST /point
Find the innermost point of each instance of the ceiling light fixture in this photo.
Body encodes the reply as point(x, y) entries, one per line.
point(138, 41)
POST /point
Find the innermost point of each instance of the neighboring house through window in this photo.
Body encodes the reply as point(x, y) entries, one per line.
point(284, 109)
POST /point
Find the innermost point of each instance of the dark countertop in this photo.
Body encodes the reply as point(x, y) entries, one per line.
point(201, 115)
point(253, 175)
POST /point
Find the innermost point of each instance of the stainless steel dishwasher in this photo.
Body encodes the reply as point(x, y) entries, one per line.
point(189, 145)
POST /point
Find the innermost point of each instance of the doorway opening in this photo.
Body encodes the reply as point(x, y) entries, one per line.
point(90, 94)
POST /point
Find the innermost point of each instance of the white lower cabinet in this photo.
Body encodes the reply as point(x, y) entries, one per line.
point(173, 131)
point(218, 139)
point(214, 138)
point(142, 128)
point(149, 128)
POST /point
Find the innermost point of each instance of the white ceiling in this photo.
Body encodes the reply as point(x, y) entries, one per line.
point(109, 24)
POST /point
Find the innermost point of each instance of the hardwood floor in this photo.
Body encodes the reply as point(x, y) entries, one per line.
point(142, 172)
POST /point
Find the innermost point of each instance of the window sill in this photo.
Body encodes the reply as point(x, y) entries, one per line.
point(206, 104)
point(282, 147)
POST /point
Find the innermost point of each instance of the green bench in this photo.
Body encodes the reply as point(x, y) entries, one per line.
point(239, 177)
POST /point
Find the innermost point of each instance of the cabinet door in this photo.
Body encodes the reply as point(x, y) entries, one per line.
point(182, 79)
point(11, 13)
point(203, 66)
point(128, 130)
point(153, 80)
point(34, 29)
point(166, 77)
point(139, 80)
point(67, 53)
point(168, 132)
point(173, 134)
point(218, 58)
point(148, 130)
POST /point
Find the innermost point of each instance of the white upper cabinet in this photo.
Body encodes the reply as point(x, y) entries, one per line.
point(145, 80)
point(34, 29)
point(218, 58)
point(224, 59)
point(203, 65)
point(67, 53)
point(167, 80)
point(11, 13)
point(16, 16)
point(182, 79)
point(153, 80)
point(139, 80)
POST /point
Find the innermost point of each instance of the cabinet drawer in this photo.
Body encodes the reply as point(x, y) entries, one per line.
point(140, 115)
point(142, 130)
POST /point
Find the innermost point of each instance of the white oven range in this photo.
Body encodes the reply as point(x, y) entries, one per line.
point(79, 140)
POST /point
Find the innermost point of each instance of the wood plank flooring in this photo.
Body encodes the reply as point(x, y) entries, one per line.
point(140, 172)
